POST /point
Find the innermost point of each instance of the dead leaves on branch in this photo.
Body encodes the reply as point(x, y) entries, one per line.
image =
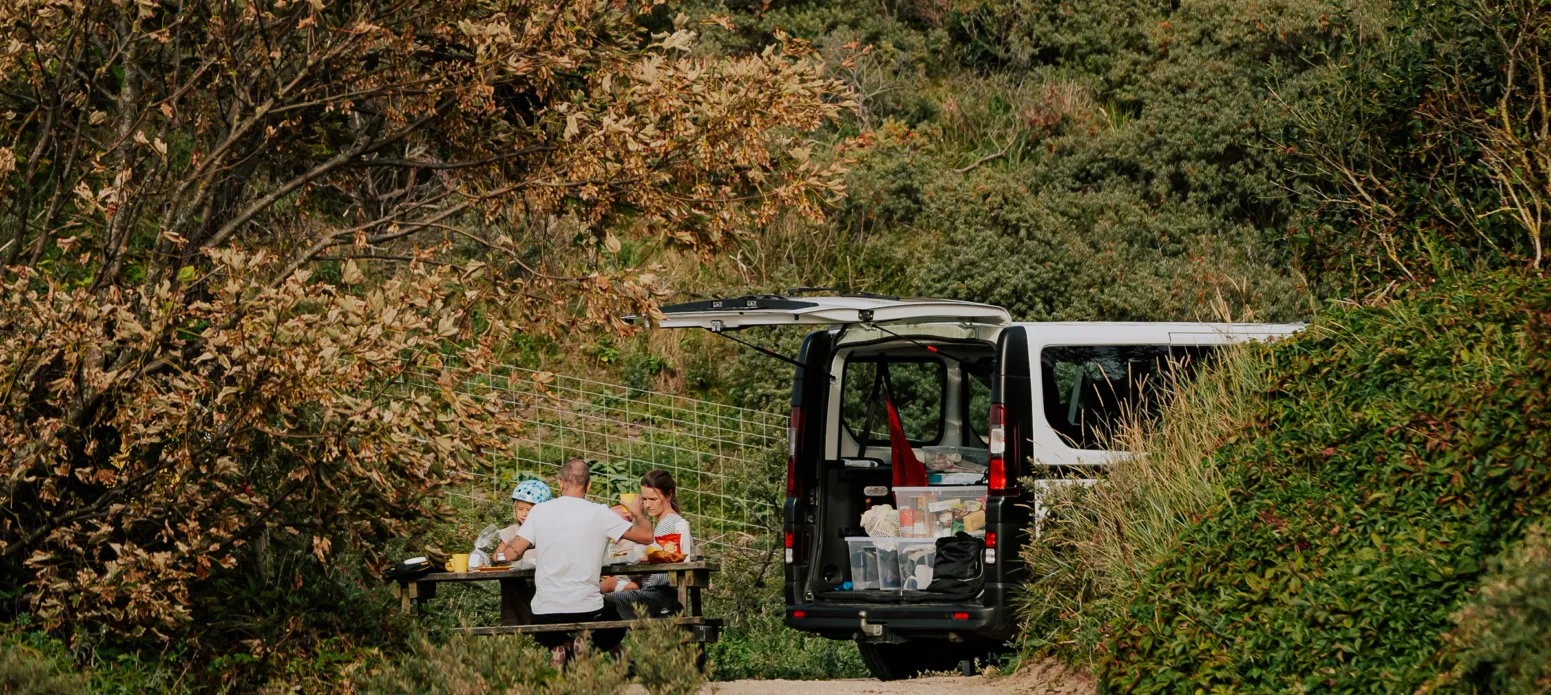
point(248, 272)
point(316, 412)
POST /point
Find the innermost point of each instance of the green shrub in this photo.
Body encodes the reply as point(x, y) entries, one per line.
point(663, 660)
point(1141, 185)
point(1097, 541)
point(473, 665)
point(1503, 637)
point(31, 661)
point(25, 671)
point(1399, 449)
point(756, 642)
point(656, 655)
point(1423, 146)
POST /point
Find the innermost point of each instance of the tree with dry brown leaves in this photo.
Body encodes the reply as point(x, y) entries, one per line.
point(232, 231)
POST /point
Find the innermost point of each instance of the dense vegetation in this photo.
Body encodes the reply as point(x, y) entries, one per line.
point(1399, 450)
point(1075, 160)
point(231, 233)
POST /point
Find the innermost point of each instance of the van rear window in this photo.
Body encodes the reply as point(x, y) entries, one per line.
point(1090, 390)
point(917, 387)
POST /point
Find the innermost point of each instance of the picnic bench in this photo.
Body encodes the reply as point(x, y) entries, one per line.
point(689, 578)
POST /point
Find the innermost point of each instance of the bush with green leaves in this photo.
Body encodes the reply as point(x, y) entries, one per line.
point(1147, 188)
point(655, 655)
point(1400, 448)
point(756, 642)
point(1423, 144)
point(1096, 541)
point(25, 671)
point(1503, 636)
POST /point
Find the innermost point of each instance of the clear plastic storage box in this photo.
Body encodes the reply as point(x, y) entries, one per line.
point(935, 512)
point(874, 563)
point(917, 558)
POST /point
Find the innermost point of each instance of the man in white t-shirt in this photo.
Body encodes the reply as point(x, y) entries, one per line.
point(570, 537)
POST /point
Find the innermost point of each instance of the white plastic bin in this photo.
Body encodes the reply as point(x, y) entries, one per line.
point(874, 563)
point(917, 559)
point(938, 511)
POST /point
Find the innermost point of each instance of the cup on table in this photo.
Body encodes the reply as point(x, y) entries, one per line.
point(460, 563)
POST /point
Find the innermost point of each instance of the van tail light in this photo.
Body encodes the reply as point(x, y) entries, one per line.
point(794, 484)
point(990, 554)
point(1003, 477)
point(794, 547)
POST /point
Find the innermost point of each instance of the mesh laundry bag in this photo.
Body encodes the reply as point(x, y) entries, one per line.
point(881, 521)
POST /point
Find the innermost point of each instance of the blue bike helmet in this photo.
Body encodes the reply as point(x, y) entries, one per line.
point(532, 491)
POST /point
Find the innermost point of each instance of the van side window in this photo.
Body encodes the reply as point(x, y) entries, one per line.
point(1089, 391)
point(918, 387)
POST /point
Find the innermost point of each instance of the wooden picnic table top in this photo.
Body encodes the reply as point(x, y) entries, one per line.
point(639, 568)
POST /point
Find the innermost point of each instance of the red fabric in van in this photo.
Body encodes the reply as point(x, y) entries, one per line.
point(908, 470)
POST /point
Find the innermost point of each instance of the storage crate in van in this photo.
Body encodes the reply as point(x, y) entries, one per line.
point(938, 511)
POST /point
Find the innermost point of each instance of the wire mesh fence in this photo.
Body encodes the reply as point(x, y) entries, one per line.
point(726, 460)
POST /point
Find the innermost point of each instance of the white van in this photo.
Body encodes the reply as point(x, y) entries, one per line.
point(984, 403)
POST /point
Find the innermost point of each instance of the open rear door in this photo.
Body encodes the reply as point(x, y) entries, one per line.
point(773, 310)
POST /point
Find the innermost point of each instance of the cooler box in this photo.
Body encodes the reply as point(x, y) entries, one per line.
point(874, 563)
point(939, 511)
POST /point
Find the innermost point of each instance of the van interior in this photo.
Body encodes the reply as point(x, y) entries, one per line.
point(940, 390)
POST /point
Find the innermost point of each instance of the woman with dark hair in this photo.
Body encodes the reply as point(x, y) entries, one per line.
point(654, 597)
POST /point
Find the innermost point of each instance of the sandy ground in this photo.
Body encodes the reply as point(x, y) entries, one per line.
point(1044, 679)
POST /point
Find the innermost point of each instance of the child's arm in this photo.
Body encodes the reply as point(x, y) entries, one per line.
point(514, 548)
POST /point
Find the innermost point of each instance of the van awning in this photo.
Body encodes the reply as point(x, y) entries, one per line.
point(776, 310)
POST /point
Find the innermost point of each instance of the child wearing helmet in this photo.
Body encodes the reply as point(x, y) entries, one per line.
point(527, 494)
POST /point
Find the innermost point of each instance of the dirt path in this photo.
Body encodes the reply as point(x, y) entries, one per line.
point(1044, 679)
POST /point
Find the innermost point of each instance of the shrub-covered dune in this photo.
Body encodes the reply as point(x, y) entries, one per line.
point(1400, 451)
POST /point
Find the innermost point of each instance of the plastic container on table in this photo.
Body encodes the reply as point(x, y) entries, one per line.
point(917, 559)
point(938, 511)
point(874, 563)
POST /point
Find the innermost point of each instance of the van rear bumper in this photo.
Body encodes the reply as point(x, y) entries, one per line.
point(987, 617)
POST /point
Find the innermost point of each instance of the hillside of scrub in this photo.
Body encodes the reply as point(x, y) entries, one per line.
point(1401, 452)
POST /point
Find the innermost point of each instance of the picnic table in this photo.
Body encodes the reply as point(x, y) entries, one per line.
point(690, 578)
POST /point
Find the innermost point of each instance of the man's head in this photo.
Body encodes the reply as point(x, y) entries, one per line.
point(574, 478)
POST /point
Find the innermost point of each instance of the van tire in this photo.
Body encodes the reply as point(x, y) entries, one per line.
point(892, 662)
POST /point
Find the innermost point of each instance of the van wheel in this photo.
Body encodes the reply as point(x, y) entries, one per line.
point(892, 662)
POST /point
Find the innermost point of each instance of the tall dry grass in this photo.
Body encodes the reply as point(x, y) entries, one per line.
point(1097, 542)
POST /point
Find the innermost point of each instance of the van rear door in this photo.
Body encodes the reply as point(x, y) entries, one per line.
point(774, 310)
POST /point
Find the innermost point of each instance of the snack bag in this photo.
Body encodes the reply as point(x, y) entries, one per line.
point(665, 549)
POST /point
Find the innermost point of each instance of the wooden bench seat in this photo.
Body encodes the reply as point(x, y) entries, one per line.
point(689, 621)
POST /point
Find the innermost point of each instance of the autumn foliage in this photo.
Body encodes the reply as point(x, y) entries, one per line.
point(235, 234)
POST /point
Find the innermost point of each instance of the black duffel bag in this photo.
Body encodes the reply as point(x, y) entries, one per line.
point(959, 571)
